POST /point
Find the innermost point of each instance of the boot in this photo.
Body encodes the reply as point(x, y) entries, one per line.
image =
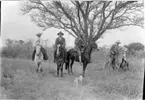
point(33, 55)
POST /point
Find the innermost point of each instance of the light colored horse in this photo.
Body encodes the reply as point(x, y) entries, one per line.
point(122, 54)
point(38, 58)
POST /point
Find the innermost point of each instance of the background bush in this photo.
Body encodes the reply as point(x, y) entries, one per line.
point(21, 49)
point(135, 49)
point(24, 49)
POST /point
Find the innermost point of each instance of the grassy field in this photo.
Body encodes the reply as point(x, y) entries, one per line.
point(20, 81)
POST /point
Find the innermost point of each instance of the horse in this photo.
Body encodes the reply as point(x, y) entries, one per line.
point(120, 60)
point(38, 58)
point(60, 59)
point(72, 56)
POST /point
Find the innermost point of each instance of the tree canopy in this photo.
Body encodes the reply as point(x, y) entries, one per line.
point(90, 18)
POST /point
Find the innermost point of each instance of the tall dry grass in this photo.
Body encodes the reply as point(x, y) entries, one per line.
point(20, 81)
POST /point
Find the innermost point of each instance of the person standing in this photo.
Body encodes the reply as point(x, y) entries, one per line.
point(114, 52)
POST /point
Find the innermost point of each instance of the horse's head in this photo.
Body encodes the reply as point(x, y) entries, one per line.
point(38, 50)
point(59, 49)
point(89, 48)
point(94, 46)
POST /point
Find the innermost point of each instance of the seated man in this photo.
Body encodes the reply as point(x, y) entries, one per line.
point(114, 52)
point(60, 41)
point(79, 46)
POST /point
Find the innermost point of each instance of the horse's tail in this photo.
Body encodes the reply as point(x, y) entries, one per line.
point(68, 61)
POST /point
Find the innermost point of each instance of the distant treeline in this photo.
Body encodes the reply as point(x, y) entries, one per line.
point(24, 49)
point(21, 49)
point(135, 49)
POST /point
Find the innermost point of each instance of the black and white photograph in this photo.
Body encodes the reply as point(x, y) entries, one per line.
point(72, 50)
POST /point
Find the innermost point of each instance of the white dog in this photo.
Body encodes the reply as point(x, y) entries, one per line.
point(78, 80)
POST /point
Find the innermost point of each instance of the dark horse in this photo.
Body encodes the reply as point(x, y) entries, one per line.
point(85, 55)
point(60, 59)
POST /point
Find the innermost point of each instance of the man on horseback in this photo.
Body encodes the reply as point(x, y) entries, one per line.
point(79, 46)
point(38, 42)
point(60, 41)
point(114, 52)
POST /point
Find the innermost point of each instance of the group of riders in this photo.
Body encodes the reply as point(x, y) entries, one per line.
point(79, 45)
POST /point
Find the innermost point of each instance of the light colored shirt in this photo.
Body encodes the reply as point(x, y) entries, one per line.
point(115, 48)
point(37, 42)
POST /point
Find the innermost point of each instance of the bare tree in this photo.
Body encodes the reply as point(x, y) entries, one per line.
point(90, 18)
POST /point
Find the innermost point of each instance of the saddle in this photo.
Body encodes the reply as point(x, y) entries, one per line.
point(45, 56)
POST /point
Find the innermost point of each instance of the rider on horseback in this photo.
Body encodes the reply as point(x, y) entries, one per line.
point(60, 41)
point(38, 42)
point(114, 52)
point(79, 46)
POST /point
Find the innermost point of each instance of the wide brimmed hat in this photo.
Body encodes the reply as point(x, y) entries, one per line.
point(60, 33)
point(118, 42)
point(39, 34)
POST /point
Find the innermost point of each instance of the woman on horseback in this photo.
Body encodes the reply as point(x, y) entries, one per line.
point(39, 42)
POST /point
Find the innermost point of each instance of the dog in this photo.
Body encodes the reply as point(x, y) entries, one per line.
point(78, 80)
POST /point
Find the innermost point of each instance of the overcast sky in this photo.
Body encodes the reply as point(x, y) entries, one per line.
point(16, 26)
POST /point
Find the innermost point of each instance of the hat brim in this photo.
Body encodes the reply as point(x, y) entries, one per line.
point(60, 33)
point(118, 42)
point(39, 34)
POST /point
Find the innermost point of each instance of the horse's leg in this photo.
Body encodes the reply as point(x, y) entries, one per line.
point(41, 69)
point(57, 69)
point(72, 62)
point(84, 68)
point(38, 64)
point(68, 67)
point(61, 68)
point(37, 67)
